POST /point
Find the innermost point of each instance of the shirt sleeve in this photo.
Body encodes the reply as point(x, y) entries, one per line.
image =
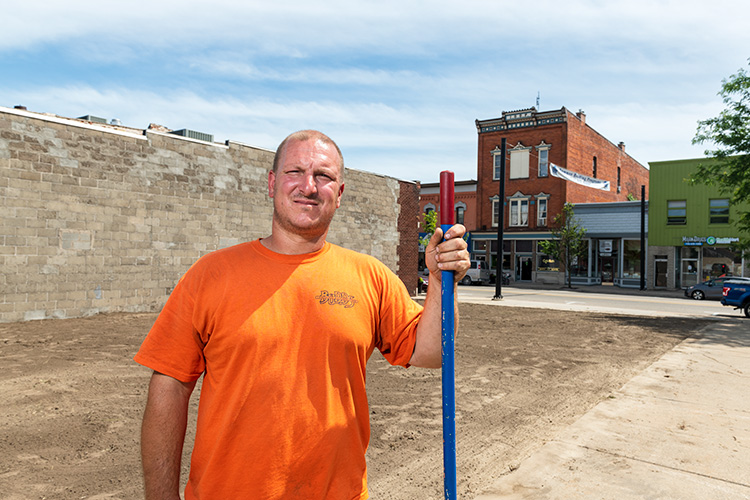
point(399, 317)
point(174, 345)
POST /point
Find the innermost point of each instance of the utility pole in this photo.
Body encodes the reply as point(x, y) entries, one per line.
point(500, 222)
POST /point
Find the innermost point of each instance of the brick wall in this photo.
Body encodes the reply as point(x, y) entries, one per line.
point(585, 143)
point(103, 219)
point(408, 220)
point(487, 187)
point(469, 198)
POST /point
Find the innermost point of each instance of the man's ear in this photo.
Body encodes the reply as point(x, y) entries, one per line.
point(341, 191)
point(272, 183)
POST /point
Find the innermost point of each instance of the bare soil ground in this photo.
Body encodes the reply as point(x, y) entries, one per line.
point(71, 399)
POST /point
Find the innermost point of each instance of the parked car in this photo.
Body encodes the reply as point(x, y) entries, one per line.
point(479, 272)
point(711, 289)
point(424, 282)
point(736, 294)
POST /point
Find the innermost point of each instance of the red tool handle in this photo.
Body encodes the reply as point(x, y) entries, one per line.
point(446, 198)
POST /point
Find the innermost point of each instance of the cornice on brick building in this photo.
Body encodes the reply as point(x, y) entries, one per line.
point(522, 118)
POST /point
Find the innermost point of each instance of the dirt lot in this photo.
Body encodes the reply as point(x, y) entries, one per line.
point(72, 399)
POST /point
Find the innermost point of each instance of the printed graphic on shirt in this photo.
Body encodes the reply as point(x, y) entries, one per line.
point(336, 299)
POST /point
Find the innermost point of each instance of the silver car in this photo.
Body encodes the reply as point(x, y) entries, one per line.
point(479, 272)
point(712, 288)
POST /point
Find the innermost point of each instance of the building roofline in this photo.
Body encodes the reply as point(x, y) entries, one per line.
point(602, 204)
point(520, 115)
point(456, 183)
point(142, 134)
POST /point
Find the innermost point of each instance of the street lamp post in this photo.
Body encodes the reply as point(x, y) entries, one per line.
point(500, 223)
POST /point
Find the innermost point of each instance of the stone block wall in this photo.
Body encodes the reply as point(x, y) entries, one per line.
point(97, 218)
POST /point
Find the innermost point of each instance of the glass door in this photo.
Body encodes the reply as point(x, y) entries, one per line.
point(523, 268)
point(660, 273)
point(608, 269)
point(689, 272)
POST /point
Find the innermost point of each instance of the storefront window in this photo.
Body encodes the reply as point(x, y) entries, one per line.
point(507, 263)
point(580, 265)
point(631, 259)
point(720, 262)
point(524, 246)
point(545, 262)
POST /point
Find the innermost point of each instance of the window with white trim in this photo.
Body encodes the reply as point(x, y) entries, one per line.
point(497, 158)
point(543, 154)
point(495, 211)
point(519, 162)
point(519, 212)
point(541, 212)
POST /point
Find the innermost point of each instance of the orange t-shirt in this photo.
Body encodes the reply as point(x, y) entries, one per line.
point(283, 341)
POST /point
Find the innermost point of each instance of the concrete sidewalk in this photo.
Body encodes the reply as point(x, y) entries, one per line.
point(679, 430)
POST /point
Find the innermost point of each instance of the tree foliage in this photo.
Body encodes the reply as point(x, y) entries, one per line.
point(430, 223)
point(729, 134)
point(568, 240)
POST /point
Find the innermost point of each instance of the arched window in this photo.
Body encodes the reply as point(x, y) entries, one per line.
point(460, 208)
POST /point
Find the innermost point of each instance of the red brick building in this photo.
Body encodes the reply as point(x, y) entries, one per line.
point(464, 203)
point(464, 206)
point(534, 195)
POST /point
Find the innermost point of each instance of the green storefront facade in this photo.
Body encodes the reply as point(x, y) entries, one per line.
point(691, 228)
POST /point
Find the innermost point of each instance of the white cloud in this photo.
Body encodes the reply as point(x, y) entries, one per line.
point(386, 26)
point(397, 83)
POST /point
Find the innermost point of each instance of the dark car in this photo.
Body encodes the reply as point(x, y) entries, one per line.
point(710, 289)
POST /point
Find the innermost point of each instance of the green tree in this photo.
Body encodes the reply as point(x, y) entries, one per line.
point(729, 133)
point(568, 240)
point(430, 223)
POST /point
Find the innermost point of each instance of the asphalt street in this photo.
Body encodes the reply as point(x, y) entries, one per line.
point(601, 299)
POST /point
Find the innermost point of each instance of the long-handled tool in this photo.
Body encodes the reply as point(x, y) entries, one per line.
point(448, 346)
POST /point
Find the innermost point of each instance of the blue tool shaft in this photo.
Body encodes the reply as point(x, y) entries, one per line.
point(449, 381)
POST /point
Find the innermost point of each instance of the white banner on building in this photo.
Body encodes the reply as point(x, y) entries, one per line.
point(581, 179)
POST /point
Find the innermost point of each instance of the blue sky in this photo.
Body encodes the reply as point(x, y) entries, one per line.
point(398, 84)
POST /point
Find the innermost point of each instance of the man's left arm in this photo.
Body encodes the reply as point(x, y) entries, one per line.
point(448, 255)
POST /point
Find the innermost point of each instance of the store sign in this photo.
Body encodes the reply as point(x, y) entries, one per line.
point(699, 241)
point(605, 248)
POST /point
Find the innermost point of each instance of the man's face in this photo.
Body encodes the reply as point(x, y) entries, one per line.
point(306, 188)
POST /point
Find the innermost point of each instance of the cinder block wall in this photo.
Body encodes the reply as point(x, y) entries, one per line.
point(97, 218)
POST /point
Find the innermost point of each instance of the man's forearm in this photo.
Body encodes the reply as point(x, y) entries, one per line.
point(428, 350)
point(163, 435)
point(441, 254)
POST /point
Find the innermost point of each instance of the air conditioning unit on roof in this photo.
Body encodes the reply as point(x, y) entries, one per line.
point(192, 134)
point(94, 119)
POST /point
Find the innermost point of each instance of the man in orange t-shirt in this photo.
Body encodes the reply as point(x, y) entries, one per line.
point(281, 329)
